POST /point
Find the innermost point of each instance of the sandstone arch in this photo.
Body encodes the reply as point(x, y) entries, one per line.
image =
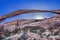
point(44, 23)
point(19, 12)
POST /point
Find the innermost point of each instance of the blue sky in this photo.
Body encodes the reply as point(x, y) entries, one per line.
point(8, 6)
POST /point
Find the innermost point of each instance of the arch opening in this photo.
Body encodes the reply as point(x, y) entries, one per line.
point(29, 16)
point(19, 12)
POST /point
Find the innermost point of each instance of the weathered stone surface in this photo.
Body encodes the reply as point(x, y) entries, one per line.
point(51, 22)
point(45, 23)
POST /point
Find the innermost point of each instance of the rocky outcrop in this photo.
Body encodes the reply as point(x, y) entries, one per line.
point(50, 22)
point(21, 24)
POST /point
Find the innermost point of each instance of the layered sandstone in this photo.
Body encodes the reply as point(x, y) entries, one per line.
point(51, 22)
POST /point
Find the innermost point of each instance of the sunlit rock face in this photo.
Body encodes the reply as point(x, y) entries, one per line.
point(23, 22)
point(31, 25)
point(10, 26)
point(53, 21)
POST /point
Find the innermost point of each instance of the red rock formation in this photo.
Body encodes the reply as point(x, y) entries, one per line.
point(24, 23)
point(51, 22)
point(19, 12)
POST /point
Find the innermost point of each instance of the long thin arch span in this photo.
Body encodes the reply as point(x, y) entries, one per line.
point(19, 12)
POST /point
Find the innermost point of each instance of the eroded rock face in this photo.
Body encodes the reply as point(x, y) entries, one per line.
point(51, 22)
point(45, 23)
point(24, 24)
